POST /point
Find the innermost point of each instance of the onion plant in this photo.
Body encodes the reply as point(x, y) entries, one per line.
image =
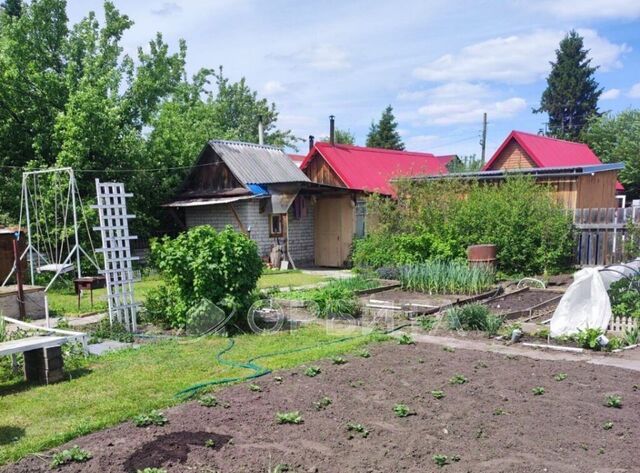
point(446, 277)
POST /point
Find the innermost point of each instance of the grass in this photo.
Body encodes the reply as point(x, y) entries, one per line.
point(118, 386)
point(64, 301)
point(288, 279)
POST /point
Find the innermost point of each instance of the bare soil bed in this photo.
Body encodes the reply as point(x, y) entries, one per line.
point(493, 422)
point(522, 301)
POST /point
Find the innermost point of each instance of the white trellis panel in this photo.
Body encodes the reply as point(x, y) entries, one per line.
point(116, 249)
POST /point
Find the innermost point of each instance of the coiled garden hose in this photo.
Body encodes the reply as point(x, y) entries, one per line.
point(259, 371)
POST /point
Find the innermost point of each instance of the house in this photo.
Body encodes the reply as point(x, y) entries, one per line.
point(580, 179)
point(257, 190)
point(361, 171)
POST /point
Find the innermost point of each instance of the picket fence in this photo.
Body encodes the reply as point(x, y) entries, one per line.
point(601, 234)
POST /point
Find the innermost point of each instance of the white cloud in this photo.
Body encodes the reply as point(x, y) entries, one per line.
point(166, 9)
point(273, 87)
point(516, 59)
point(610, 94)
point(588, 8)
point(634, 92)
point(463, 102)
point(323, 57)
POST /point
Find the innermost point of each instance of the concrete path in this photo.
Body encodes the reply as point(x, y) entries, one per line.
point(629, 360)
point(329, 272)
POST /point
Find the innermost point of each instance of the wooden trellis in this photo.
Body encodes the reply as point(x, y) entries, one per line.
point(116, 249)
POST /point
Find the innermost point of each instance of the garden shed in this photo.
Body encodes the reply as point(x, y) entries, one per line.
point(590, 185)
point(259, 191)
point(362, 171)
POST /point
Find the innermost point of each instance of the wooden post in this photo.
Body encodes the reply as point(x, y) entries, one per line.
point(19, 281)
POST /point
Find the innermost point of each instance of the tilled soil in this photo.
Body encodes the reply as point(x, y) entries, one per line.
point(493, 422)
point(521, 301)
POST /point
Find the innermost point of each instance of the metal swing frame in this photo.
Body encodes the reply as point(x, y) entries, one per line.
point(32, 251)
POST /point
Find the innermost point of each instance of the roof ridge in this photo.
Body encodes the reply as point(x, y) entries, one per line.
point(375, 150)
point(536, 135)
point(244, 143)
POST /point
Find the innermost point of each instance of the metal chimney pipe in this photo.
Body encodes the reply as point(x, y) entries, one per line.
point(311, 142)
point(332, 130)
point(260, 131)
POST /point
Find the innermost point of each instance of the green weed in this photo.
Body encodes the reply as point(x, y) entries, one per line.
point(293, 417)
point(440, 460)
point(73, 455)
point(322, 403)
point(208, 400)
point(614, 401)
point(538, 391)
point(560, 376)
point(458, 379)
point(152, 418)
point(437, 394)
point(358, 428)
point(312, 371)
point(402, 410)
point(405, 339)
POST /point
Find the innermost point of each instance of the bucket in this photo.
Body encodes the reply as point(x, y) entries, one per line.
point(482, 255)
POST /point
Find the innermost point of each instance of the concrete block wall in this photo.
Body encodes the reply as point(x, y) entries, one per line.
point(301, 232)
point(302, 237)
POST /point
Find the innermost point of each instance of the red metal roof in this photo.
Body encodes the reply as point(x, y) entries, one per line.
point(371, 169)
point(297, 158)
point(549, 152)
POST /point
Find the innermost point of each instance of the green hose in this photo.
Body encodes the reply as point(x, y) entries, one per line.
point(258, 370)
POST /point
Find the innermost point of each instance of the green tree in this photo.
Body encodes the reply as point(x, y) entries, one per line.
point(12, 8)
point(465, 164)
point(571, 96)
point(616, 138)
point(71, 97)
point(343, 137)
point(384, 134)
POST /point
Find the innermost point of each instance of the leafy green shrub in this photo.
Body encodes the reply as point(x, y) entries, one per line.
point(333, 301)
point(202, 264)
point(446, 277)
point(72, 455)
point(589, 338)
point(469, 317)
point(492, 324)
point(624, 296)
point(429, 221)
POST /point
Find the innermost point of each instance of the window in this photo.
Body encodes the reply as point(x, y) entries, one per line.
point(276, 225)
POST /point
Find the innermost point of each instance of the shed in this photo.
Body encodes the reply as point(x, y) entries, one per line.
point(257, 190)
point(522, 150)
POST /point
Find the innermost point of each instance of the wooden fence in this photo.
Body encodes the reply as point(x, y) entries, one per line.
point(601, 234)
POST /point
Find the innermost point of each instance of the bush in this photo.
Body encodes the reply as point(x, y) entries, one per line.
point(624, 296)
point(473, 317)
point(202, 265)
point(430, 221)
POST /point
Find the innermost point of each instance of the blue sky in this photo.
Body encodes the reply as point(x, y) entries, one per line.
point(440, 64)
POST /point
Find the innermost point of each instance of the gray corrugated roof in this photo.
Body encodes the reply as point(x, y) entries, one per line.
point(256, 164)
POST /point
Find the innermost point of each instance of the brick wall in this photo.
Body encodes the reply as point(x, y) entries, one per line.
point(301, 232)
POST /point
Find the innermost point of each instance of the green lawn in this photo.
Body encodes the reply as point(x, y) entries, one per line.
point(288, 279)
point(63, 301)
point(120, 385)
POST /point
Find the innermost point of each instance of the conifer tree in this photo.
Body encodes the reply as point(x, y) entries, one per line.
point(384, 134)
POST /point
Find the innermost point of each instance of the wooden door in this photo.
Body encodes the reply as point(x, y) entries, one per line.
point(334, 226)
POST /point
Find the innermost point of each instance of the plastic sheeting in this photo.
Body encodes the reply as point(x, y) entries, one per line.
point(586, 303)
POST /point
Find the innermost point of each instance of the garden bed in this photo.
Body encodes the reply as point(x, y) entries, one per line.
point(491, 423)
point(524, 303)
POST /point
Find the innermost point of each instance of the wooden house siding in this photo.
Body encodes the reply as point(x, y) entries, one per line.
point(319, 171)
point(210, 176)
point(597, 190)
point(513, 157)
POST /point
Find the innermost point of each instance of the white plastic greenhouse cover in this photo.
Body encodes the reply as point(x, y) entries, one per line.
point(586, 302)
